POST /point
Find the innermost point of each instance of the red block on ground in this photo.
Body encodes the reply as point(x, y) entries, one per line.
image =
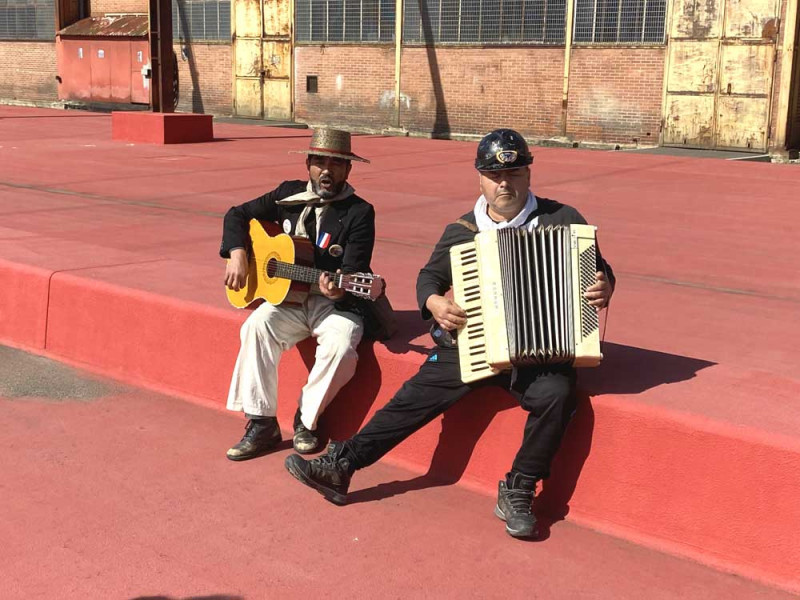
point(161, 128)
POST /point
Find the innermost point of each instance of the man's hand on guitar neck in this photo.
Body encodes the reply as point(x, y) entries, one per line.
point(236, 271)
point(328, 288)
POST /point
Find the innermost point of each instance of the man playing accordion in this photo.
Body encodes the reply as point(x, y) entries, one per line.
point(547, 392)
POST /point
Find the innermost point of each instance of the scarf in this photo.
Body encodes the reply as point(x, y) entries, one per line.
point(312, 201)
point(485, 222)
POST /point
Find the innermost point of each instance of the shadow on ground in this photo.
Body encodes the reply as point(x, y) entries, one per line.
point(626, 370)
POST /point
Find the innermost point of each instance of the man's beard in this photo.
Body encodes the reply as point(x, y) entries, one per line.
point(326, 194)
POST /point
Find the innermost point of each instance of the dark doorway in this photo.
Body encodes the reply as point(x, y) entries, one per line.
point(793, 122)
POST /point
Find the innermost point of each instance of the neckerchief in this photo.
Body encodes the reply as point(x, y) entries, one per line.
point(311, 200)
point(485, 222)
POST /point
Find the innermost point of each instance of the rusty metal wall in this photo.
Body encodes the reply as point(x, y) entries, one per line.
point(103, 70)
point(719, 76)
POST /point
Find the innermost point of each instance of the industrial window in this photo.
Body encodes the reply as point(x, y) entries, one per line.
point(201, 20)
point(347, 21)
point(620, 21)
point(484, 21)
point(27, 19)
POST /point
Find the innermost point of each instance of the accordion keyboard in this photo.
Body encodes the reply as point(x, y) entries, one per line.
point(467, 294)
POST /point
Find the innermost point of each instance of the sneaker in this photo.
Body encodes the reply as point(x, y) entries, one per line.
point(260, 436)
point(515, 505)
point(329, 473)
point(304, 440)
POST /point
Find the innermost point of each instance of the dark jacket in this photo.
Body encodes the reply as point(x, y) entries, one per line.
point(350, 223)
point(436, 277)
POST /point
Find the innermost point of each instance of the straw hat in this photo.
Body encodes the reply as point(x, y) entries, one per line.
point(331, 142)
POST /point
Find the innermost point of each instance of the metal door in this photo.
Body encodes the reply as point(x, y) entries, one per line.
point(262, 59)
point(277, 62)
point(719, 74)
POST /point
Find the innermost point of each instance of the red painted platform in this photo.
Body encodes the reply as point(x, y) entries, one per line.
point(688, 436)
point(161, 128)
point(126, 495)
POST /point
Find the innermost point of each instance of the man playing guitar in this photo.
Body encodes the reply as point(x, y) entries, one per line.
point(341, 227)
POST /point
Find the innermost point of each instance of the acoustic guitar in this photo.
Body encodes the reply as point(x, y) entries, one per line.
point(281, 270)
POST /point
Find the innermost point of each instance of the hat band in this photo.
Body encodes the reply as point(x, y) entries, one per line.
point(333, 150)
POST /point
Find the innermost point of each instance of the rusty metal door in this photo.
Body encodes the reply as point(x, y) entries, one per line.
point(277, 53)
point(262, 56)
point(719, 77)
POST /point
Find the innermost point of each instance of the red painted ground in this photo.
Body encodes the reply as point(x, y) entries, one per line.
point(705, 250)
point(129, 494)
point(690, 442)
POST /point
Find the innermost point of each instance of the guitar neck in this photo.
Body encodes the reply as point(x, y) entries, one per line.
point(304, 274)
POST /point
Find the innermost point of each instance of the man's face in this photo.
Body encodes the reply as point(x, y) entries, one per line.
point(506, 191)
point(327, 174)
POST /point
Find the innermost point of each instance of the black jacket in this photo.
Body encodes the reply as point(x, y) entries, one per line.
point(436, 277)
point(350, 223)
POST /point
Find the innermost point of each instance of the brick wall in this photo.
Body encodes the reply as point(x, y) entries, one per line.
point(458, 90)
point(28, 71)
point(101, 7)
point(615, 94)
point(355, 85)
point(472, 90)
point(205, 79)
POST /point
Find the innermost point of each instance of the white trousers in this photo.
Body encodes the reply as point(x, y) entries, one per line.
point(269, 331)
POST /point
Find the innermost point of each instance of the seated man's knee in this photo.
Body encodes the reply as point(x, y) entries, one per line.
point(341, 343)
point(550, 390)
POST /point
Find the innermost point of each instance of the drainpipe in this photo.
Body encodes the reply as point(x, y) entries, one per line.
point(567, 56)
point(398, 47)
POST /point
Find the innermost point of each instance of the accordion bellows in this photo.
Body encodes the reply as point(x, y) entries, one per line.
point(523, 294)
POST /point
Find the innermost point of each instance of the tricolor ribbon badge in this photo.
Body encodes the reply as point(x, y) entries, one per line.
point(323, 240)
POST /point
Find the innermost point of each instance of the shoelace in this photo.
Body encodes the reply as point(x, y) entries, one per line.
point(331, 462)
point(252, 430)
point(327, 461)
point(520, 501)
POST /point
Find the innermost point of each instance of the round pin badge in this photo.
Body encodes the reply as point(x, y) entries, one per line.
point(336, 250)
point(287, 226)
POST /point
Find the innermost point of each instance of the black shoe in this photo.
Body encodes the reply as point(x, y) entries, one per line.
point(515, 505)
point(329, 473)
point(260, 436)
point(304, 440)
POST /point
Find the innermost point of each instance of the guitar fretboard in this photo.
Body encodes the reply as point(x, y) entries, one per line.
point(284, 270)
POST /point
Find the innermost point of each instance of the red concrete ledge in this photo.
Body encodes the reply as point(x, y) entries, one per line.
point(161, 128)
point(720, 494)
point(23, 303)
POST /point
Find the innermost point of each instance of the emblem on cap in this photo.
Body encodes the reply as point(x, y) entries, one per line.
point(287, 226)
point(336, 250)
point(506, 156)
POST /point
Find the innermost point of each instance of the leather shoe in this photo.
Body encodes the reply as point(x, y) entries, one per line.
point(260, 436)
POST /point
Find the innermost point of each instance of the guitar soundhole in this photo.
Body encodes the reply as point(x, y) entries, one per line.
point(272, 268)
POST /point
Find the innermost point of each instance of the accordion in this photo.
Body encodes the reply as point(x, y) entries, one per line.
point(523, 294)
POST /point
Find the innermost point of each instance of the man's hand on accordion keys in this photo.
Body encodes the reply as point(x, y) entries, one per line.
point(447, 313)
point(599, 294)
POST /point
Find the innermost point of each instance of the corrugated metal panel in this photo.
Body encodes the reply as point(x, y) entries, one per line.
point(108, 26)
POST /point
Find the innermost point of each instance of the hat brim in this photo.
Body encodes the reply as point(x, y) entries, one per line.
point(331, 154)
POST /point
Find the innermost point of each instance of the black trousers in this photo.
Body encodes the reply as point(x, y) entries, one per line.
point(548, 394)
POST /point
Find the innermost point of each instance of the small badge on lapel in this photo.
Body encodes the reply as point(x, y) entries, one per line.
point(323, 240)
point(287, 226)
point(336, 250)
